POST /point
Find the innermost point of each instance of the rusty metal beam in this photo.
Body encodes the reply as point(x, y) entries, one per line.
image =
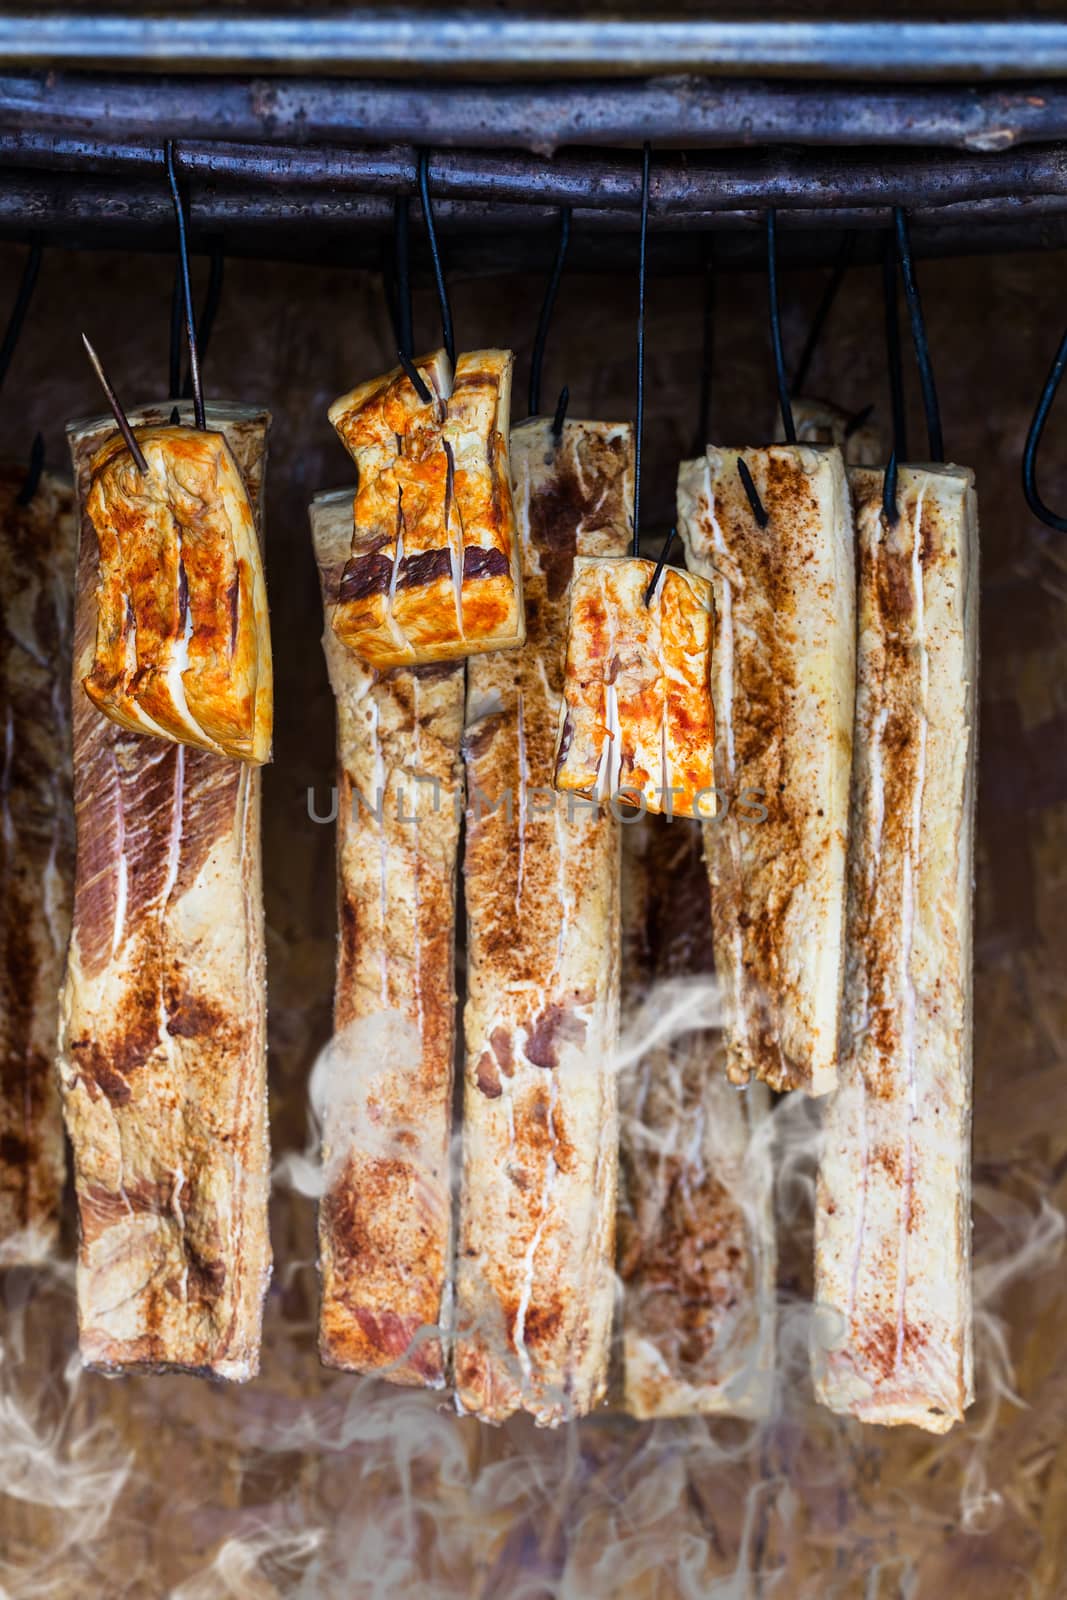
point(679, 188)
point(685, 112)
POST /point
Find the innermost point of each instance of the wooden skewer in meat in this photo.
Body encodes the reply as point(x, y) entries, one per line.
point(37, 556)
point(696, 1222)
point(893, 1336)
point(535, 1256)
point(434, 570)
point(777, 549)
point(163, 1014)
point(385, 1220)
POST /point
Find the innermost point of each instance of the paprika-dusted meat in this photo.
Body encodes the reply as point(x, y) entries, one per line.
point(385, 1085)
point(37, 555)
point(696, 1252)
point(783, 684)
point(637, 718)
point(183, 637)
point(433, 572)
point(893, 1336)
point(535, 1255)
point(163, 1018)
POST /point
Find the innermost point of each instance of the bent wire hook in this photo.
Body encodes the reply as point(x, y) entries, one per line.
point(1050, 518)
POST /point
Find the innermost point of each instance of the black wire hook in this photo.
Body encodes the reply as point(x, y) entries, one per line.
point(187, 288)
point(845, 254)
point(447, 338)
point(660, 564)
point(560, 416)
point(708, 355)
point(642, 273)
point(176, 388)
point(788, 426)
point(33, 475)
point(537, 359)
point(918, 335)
point(1050, 518)
point(27, 284)
point(208, 311)
point(896, 381)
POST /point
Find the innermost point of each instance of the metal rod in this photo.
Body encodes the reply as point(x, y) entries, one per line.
point(660, 564)
point(890, 510)
point(690, 112)
point(759, 510)
point(782, 380)
point(560, 416)
point(187, 288)
point(209, 311)
point(32, 480)
point(1050, 518)
point(396, 39)
point(789, 179)
point(418, 382)
point(61, 203)
point(918, 335)
point(447, 336)
point(845, 255)
point(642, 270)
point(27, 284)
point(117, 411)
point(893, 352)
point(541, 338)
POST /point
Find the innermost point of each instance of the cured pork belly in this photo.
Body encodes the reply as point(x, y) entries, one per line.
point(163, 1017)
point(385, 1220)
point(636, 719)
point(696, 1248)
point(37, 554)
point(433, 571)
point(783, 688)
point(183, 636)
point(534, 1274)
point(859, 438)
point(893, 1343)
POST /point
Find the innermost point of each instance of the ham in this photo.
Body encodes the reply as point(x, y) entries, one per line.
point(386, 1082)
point(893, 1339)
point(163, 1016)
point(535, 1253)
point(637, 718)
point(37, 556)
point(783, 682)
point(433, 572)
point(696, 1252)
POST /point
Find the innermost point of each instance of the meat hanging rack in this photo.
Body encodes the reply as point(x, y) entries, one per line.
point(834, 125)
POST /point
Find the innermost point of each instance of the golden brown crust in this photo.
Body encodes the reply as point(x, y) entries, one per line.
point(433, 573)
point(163, 1020)
point(893, 1342)
point(637, 719)
point(183, 637)
point(37, 558)
point(783, 684)
point(534, 1279)
point(386, 1090)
